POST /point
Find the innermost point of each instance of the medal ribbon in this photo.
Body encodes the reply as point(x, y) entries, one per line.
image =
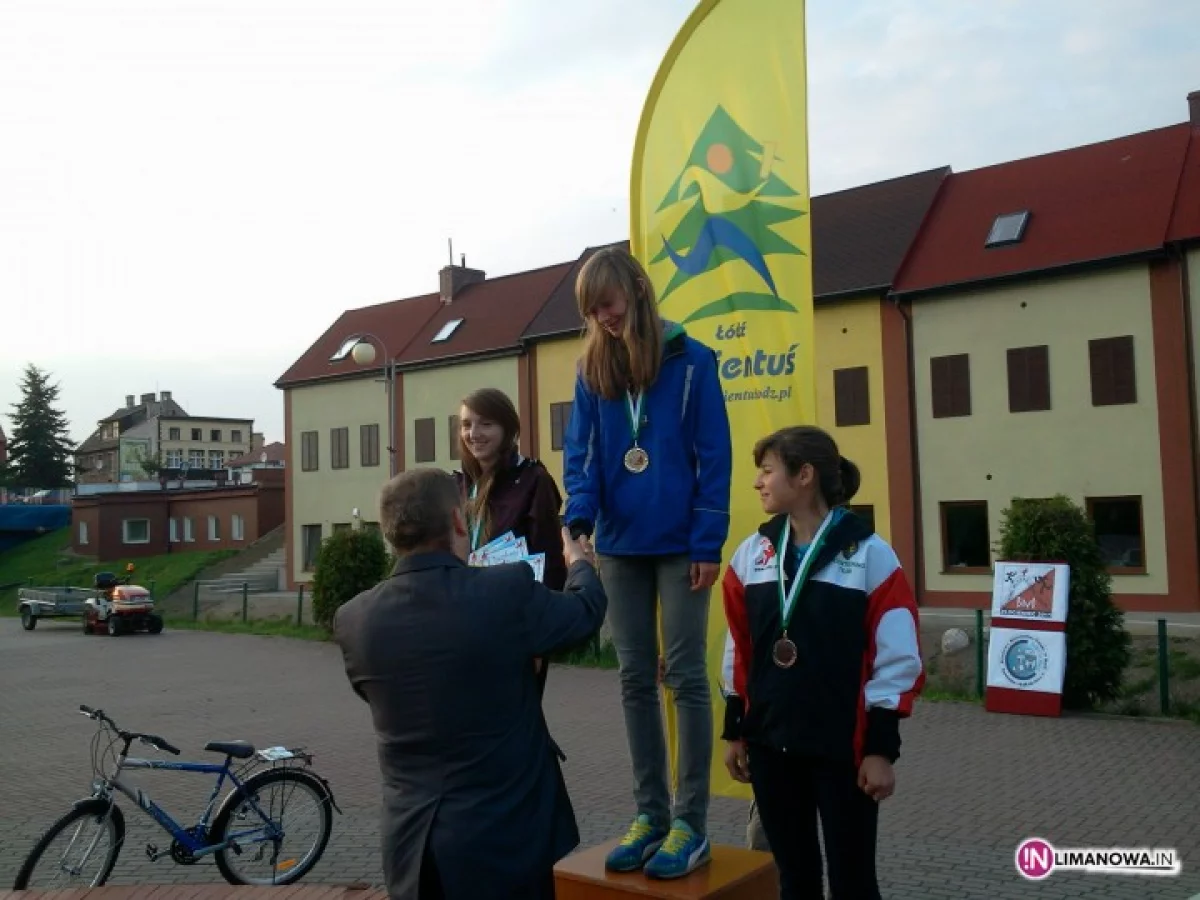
point(635, 413)
point(787, 600)
point(477, 522)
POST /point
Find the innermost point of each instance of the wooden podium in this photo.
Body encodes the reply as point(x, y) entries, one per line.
point(733, 874)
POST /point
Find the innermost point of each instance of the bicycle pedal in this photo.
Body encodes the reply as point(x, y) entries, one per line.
point(152, 852)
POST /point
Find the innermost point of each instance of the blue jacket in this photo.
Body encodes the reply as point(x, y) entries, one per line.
point(680, 504)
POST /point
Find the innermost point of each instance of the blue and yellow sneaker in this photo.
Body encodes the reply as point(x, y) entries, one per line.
point(641, 842)
point(683, 851)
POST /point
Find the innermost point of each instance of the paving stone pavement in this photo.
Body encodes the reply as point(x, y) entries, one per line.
point(970, 784)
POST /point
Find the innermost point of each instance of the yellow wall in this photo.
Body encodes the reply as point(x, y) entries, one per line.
point(1074, 448)
point(328, 496)
point(435, 393)
point(848, 334)
point(555, 384)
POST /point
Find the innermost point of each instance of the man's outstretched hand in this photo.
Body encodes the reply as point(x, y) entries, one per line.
point(577, 549)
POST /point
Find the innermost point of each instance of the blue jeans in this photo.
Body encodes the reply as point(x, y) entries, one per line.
point(635, 586)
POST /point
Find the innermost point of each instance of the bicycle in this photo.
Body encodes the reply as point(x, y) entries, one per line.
point(289, 769)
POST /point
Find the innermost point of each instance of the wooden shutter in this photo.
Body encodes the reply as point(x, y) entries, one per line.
point(851, 397)
point(1028, 378)
point(950, 385)
point(560, 417)
point(426, 440)
point(1114, 376)
point(454, 437)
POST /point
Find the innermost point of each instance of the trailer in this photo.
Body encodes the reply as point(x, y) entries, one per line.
point(52, 603)
point(112, 605)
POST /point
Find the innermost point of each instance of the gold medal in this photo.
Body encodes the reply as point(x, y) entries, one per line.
point(637, 460)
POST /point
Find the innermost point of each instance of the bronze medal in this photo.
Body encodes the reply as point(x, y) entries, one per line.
point(784, 653)
point(637, 460)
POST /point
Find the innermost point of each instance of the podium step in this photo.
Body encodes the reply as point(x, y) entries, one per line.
point(733, 874)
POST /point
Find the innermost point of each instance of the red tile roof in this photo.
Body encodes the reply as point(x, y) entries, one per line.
point(1185, 223)
point(1091, 203)
point(560, 314)
point(395, 323)
point(274, 452)
point(860, 235)
point(494, 314)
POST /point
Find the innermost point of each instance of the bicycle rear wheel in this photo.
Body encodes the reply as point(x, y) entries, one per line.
point(290, 853)
point(93, 831)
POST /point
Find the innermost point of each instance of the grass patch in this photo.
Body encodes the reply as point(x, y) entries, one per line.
point(268, 627)
point(46, 561)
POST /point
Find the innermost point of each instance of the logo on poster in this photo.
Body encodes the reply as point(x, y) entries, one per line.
point(1025, 660)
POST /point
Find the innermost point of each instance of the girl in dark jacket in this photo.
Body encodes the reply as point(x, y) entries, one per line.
point(506, 491)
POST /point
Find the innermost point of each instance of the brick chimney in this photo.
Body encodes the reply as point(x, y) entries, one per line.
point(147, 398)
point(166, 396)
point(129, 401)
point(1194, 108)
point(454, 278)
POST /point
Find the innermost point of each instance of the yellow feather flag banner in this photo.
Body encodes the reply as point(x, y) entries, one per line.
point(720, 218)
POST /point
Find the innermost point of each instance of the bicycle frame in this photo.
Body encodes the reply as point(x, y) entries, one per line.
point(187, 839)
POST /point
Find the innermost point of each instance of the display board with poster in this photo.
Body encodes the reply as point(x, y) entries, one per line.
point(1027, 651)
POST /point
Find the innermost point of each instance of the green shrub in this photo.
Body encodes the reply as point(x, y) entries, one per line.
point(350, 561)
point(1098, 646)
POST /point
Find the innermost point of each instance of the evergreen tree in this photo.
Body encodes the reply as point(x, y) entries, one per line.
point(39, 448)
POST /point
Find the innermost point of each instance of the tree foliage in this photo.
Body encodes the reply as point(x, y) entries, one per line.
point(39, 448)
point(350, 561)
point(1098, 646)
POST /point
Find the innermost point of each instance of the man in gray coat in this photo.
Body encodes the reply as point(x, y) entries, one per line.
point(474, 803)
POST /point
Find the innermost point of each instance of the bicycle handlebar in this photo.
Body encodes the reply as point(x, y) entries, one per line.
point(129, 737)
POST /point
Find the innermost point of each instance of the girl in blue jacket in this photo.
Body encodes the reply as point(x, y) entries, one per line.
point(647, 469)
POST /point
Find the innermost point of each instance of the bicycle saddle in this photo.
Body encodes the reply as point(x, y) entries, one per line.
point(236, 749)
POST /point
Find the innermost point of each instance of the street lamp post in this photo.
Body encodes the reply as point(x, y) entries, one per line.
point(362, 351)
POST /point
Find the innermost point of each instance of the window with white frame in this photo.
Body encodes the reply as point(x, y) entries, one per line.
point(175, 459)
point(135, 531)
point(214, 528)
point(196, 459)
point(237, 528)
point(173, 529)
point(83, 535)
point(216, 459)
point(188, 536)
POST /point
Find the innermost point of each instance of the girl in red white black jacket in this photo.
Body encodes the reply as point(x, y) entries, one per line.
point(824, 663)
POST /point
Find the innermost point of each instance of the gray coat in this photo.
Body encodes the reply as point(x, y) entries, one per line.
point(442, 653)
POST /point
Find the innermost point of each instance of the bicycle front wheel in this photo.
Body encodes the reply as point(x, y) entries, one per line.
point(79, 850)
point(280, 821)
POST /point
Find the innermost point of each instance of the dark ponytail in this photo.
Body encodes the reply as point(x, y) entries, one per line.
point(851, 479)
point(838, 477)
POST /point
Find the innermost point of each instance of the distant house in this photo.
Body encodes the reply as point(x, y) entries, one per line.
point(242, 469)
point(140, 439)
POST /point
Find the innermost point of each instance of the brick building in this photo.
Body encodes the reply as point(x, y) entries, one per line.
point(131, 524)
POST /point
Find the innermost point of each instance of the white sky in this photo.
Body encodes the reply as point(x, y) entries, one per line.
point(190, 192)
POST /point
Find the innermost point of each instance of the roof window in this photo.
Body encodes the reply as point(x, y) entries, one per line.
point(344, 350)
point(1008, 228)
point(446, 330)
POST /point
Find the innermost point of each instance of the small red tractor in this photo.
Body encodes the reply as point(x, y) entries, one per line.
point(119, 607)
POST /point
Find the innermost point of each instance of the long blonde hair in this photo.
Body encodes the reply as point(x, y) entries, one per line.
point(494, 404)
point(610, 366)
